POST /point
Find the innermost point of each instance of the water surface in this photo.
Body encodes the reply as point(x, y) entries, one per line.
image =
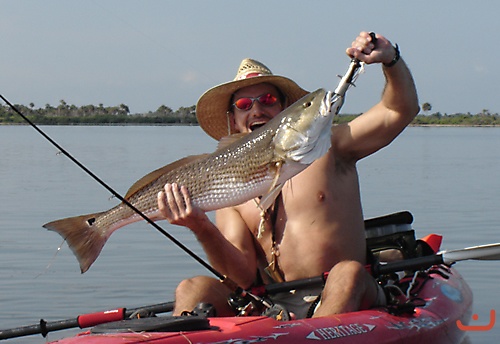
point(447, 177)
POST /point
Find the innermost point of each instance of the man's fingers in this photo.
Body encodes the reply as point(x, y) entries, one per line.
point(186, 199)
point(171, 200)
point(178, 197)
point(162, 205)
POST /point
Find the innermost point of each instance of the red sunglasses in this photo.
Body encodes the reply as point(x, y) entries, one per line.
point(246, 103)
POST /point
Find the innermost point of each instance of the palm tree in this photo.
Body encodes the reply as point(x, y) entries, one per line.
point(426, 107)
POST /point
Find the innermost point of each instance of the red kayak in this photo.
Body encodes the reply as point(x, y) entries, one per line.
point(441, 299)
point(428, 305)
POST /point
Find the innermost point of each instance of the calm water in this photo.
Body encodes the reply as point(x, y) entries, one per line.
point(447, 177)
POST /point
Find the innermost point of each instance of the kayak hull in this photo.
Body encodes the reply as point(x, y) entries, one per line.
point(442, 301)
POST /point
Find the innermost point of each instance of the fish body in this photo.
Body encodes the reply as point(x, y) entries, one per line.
point(256, 164)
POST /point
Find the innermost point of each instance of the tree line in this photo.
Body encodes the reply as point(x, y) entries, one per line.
point(65, 114)
point(435, 119)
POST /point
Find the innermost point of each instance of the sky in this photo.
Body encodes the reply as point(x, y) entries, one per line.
point(145, 54)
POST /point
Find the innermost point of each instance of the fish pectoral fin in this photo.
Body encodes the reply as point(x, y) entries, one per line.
point(268, 199)
point(265, 203)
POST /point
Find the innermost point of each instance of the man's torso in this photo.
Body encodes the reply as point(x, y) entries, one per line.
point(318, 222)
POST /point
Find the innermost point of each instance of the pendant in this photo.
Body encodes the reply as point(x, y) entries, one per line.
point(273, 271)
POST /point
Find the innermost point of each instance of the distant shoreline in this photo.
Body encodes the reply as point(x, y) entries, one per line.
point(456, 125)
point(197, 125)
point(186, 116)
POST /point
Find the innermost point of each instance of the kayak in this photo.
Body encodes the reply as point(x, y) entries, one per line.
point(443, 299)
point(428, 304)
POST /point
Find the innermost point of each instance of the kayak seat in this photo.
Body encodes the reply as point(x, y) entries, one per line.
point(391, 237)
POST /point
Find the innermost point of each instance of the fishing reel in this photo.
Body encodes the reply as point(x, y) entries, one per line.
point(245, 305)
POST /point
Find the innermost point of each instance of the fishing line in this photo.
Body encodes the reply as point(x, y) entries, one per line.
point(52, 260)
point(116, 194)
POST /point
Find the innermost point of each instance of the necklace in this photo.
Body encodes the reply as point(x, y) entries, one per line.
point(273, 269)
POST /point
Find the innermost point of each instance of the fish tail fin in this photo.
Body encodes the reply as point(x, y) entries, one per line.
point(83, 235)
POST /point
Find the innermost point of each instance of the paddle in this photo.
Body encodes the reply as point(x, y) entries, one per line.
point(82, 321)
point(481, 252)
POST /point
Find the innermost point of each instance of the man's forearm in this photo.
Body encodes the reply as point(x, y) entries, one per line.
point(400, 94)
point(224, 256)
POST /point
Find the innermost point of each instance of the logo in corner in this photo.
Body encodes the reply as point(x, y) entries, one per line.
point(475, 317)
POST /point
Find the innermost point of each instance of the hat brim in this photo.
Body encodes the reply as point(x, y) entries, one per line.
point(212, 107)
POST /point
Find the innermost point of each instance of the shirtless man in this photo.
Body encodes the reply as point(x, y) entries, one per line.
point(317, 222)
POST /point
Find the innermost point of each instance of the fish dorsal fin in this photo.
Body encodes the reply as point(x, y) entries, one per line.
point(227, 140)
point(150, 177)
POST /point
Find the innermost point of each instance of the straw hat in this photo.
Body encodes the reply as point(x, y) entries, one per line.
point(213, 105)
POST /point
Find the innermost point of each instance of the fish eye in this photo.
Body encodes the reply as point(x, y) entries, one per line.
point(308, 104)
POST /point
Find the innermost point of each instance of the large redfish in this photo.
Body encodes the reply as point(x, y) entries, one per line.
point(256, 164)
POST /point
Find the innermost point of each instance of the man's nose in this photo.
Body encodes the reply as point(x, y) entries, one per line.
point(257, 109)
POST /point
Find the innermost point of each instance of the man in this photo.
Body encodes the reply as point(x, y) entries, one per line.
point(316, 224)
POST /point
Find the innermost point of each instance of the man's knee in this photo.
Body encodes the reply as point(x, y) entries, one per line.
point(349, 271)
point(349, 288)
point(353, 276)
point(195, 290)
point(190, 292)
point(187, 286)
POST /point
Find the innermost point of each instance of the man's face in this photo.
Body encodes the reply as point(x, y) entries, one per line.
point(244, 121)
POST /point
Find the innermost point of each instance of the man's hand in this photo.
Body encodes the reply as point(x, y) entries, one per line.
point(175, 205)
point(366, 50)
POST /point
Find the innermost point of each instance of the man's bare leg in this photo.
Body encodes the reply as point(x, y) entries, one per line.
point(198, 289)
point(348, 288)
